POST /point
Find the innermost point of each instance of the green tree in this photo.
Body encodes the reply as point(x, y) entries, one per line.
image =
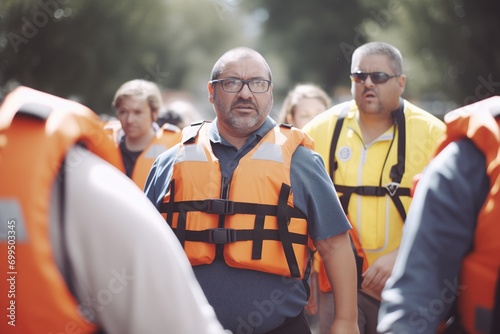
point(450, 48)
point(314, 39)
point(86, 49)
point(458, 47)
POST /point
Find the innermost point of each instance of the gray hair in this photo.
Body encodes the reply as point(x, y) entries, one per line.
point(237, 53)
point(383, 49)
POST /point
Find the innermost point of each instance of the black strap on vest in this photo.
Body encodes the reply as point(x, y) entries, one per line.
point(335, 139)
point(396, 174)
point(283, 230)
point(222, 235)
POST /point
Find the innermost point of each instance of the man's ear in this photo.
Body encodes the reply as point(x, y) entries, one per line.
point(402, 84)
point(211, 89)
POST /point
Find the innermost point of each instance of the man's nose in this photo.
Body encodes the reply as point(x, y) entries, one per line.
point(245, 92)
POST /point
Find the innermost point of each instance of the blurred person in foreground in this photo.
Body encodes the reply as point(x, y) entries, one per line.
point(302, 104)
point(136, 133)
point(373, 146)
point(83, 249)
point(245, 197)
point(447, 270)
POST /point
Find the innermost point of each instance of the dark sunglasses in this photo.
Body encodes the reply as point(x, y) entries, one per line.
point(376, 77)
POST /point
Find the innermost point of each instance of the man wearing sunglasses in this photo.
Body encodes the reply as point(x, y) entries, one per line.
point(372, 147)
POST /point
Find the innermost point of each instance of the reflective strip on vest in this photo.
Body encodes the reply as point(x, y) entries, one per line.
point(154, 151)
point(269, 151)
point(192, 152)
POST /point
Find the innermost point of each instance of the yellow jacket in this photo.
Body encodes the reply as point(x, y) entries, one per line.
point(376, 221)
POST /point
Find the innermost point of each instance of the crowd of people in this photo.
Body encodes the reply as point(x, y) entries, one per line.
point(372, 215)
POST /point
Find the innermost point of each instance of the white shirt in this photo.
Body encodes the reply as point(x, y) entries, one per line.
point(129, 272)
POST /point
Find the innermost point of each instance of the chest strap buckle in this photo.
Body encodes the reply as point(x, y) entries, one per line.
point(221, 235)
point(220, 206)
point(392, 187)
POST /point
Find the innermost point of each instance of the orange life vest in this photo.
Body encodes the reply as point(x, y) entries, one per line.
point(166, 137)
point(36, 131)
point(251, 216)
point(480, 268)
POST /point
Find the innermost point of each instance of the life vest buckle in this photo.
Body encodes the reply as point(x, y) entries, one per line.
point(220, 206)
point(221, 235)
point(392, 187)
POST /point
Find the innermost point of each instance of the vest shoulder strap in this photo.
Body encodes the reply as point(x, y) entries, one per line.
point(190, 133)
point(335, 140)
point(398, 169)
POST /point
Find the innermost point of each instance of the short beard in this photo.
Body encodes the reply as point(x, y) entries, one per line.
point(243, 125)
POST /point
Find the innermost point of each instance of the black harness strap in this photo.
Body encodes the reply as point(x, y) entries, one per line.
point(180, 230)
point(227, 207)
point(258, 237)
point(228, 235)
point(347, 191)
point(170, 213)
point(335, 139)
point(284, 234)
point(398, 169)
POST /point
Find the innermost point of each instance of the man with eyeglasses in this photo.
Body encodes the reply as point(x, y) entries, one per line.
point(248, 199)
point(373, 146)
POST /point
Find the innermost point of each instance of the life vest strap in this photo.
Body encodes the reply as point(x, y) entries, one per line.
point(228, 235)
point(393, 192)
point(372, 190)
point(282, 218)
point(227, 207)
point(258, 237)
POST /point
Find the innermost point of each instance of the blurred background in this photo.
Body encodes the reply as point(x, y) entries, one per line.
point(84, 50)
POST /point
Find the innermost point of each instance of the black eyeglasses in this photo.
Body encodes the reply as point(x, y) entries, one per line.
point(377, 77)
point(231, 85)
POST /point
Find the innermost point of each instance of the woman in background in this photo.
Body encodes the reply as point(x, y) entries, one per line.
point(302, 104)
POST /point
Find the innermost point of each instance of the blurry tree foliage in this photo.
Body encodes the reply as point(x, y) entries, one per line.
point(85, 49)
point(451, 48)
point(315, 39)
point(457, 45)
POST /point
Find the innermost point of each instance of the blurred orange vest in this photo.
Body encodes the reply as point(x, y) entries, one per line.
point(166, 137)
point(480, 268)
point(36, 131)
